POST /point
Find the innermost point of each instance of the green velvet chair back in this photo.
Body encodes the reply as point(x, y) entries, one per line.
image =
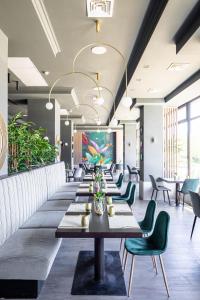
point(148, 222)
point(120, 180)
point(131, 198)
point(129, 169)
point(159, 236)
point(189, 185)
point(128, 190)
point(195, 198)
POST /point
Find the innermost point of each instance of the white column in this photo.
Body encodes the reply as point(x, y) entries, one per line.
point(130, 145)
point(4, 87)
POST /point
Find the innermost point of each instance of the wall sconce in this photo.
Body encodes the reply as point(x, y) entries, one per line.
point(152, 140)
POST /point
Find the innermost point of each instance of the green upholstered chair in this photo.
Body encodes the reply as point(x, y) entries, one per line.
point(189, 185)
point(126, 195)
point(195, 198)
point(158, 188)
point(132, 171)
point(148, 222)
point(154, 245)
point(120, 180)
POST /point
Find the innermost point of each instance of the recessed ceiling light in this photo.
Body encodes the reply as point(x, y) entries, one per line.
point(178, 66)
point(46, 25)
point(138, 79)
point(100, 8)
point(98, 50)
point(153, 90)
point(97, 88)
point(26, 71)
point(146, 66)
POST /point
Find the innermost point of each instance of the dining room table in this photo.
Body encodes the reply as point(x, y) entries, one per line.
point(98, 272)
point(109, 190)
point(177, 183)
point(89, 177)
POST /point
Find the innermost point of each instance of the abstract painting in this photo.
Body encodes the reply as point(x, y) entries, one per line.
point(97, 147)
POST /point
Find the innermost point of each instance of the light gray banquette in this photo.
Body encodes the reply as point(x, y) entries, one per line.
point(31, 207)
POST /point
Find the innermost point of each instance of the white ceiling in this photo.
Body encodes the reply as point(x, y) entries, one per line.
point(74, 30)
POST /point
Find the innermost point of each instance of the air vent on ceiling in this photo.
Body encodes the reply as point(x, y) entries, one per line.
point(100, 8)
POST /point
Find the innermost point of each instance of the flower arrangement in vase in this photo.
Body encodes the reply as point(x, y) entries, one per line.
point(99, 205)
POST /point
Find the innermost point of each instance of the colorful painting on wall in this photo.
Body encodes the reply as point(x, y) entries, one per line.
point(97, 147)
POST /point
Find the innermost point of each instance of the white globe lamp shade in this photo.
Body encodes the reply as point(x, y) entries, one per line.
point(66, 123)
point(66, 144)
point(126, 101)
point(46, 138)
point(109, 130)
point(99, 50)
point(49, 106)
point(75, 131)
point(99, 100)
point(98, 122)
point(115, 122)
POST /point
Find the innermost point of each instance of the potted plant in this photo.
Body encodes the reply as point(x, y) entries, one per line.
point(99, 205)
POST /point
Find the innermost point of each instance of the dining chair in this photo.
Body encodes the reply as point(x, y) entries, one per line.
point(146, 226)
point(159, 188)
point(120, 180)
point(189, 185)
point(132, 172)
point(154, 245)
point(110, 170)
point(126, 195)
point(69, 177)
point(195, 199)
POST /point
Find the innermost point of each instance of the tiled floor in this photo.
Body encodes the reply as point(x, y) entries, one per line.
point(182, 263)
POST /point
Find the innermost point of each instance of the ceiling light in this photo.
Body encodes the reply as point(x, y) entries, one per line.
point(46, 73)
point(138, 79)
point(146, 66)
point(26, 71)
point(98, 100)
point(98, 130)
point(46, 25)
point(100, 8)
point(127, 101)
point(46, 138)
point(97, 88)
point(49, 106)
point(75, 131)
point(98, 50)
point(83, 119)
point(109, 130)
point(66, 123)
point(178, 66)
point(66, 144)
point(114, 122)
point(98, 122)
point(153, 91)
point(64, 112)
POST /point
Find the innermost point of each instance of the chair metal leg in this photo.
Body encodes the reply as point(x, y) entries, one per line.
point(156, 195)
point(168, 198)
point(121, 242)
point(195, 218)
point(155, 264)
point(164, 275)
point(125, 261)
point(183, 199)
point(131, 275)
point(164, 195)
point(124, 252)
point(152, 194)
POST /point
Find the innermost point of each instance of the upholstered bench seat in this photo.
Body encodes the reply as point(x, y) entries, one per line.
point(63, 196)
point(55, 205)
point(69, 187)
point(44, 219)
point(28, 254)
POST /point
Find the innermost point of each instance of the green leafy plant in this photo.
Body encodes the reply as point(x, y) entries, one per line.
point(27, 146)
point(99, 196)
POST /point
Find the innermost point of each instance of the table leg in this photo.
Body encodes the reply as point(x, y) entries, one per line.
point(99, 263)
point(177, 194)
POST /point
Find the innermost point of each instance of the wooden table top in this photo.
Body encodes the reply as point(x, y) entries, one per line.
point(89, 178)
point(99, 227)
point(170, 180)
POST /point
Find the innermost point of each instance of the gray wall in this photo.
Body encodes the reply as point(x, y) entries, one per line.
point(66, 136)
point(47, 119)
point(152, 127)
point(4, 87)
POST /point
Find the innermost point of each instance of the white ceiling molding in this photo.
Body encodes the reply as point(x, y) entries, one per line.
point(46, 25)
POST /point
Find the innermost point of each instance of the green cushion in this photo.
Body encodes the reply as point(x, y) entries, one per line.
point(141, 246)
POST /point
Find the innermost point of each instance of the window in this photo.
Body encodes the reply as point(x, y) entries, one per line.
point(189, 139)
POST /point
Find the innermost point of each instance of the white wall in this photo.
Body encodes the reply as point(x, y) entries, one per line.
point(130, 145)
point(4, 86)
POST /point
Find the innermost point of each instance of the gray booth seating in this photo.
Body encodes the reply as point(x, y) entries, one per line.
point(28, 220)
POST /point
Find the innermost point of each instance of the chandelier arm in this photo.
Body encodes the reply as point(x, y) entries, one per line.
point(71, 73)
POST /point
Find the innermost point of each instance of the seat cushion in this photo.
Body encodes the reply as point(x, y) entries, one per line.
point(44, 219)
point(60, 205)
point(141, 246)
point(63, 196)
point(28, 254)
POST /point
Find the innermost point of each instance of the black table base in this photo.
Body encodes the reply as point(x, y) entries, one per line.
point(84, 282)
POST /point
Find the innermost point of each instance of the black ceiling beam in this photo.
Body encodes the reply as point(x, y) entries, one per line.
point(188, 28)
point(189, 81)
point(133, 103)
point(149, 23)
